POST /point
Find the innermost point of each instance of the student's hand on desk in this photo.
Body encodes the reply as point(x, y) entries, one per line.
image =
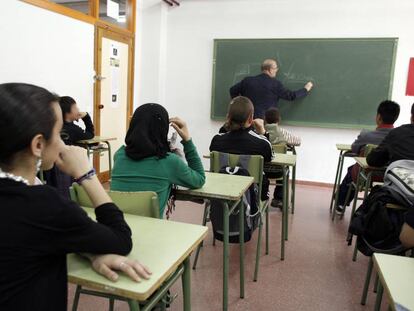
point(106, 264)
point(73, 161)
point(308, 86)
point(181, 127)
point(259, 126)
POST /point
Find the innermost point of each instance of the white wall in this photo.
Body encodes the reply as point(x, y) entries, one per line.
point(184, 79)
point(47, 49)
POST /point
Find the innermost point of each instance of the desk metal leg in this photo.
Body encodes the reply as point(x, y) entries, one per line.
point(342, 158)
point(287, 203)
point(133, 305)
point(241, 241)
point(225, 254)
point(284, 214)
point(109, 158)
point(267, 230)
point(293, 188)
point(186, 283)
point(378, 300)
point(336, 181)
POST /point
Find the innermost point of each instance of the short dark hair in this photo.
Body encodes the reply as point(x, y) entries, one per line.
point(389, 111)
point(66, 103)
point(240, 109)
point(272, 115)
point(26, 111)
point(412, 109)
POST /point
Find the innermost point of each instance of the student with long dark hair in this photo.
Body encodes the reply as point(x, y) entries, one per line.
point(38, 227)
point(146, 162)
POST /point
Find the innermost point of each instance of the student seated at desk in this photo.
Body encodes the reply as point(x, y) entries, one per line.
point(387, 113)
point(397, 145)
point(244, 136)
point(407, 231)
point(71, 133)
point(146, 162)
point(38, 227)
point(278, 135)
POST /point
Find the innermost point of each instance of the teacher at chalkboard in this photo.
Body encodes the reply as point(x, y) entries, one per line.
point(264, 90)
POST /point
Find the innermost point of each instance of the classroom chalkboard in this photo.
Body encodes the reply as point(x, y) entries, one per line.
point(351, 76)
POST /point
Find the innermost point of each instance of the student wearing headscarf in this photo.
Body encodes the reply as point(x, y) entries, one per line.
point(146, 162)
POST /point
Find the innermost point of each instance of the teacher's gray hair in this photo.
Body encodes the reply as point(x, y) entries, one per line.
point(268, 64)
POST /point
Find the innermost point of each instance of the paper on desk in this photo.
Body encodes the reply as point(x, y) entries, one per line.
point(399, 307)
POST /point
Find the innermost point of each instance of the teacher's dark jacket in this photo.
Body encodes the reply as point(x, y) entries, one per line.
point(264, 92)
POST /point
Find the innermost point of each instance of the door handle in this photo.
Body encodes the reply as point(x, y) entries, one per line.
point(101, 106)
point(99, 78)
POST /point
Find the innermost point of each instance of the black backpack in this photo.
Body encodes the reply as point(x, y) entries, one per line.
point(377, 227)
point(250, 205)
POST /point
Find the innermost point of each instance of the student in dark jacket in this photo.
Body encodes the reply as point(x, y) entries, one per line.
point(38, 227)
point(264, 90)
point(72, 133)
point(245, 135)
point(387, 113)
point(397, 145)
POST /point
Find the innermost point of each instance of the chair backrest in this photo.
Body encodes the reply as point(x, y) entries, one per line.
point(143, 203)
point(279, 148)
point(368, 148)
point(254, 166)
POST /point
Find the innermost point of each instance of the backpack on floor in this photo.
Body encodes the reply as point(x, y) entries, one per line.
point(399, 177)
point(250, 204)
point(375, 225)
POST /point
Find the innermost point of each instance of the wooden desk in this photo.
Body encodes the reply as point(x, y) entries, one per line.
point(396, 275)
point(229, 189)
point(343, 149)
point(88, 144)
point(162, 245)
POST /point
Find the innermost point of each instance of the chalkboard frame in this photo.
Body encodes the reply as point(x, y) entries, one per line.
point(394, 40)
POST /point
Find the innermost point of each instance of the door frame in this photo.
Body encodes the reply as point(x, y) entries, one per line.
point(101, 31)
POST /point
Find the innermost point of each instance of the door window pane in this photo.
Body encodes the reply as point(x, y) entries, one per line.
point(77, 5)
point(114, 12)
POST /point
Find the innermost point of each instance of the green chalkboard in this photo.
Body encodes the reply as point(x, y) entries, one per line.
point(351, 76)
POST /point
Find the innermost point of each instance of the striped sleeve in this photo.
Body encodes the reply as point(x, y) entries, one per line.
point(290, 138)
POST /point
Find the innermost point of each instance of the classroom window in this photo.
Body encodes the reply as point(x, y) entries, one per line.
point(114, 12)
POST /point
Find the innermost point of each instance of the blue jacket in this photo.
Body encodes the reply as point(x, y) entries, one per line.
point(264, 92)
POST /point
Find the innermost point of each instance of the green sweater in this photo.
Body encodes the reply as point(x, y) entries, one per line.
point(158, 175)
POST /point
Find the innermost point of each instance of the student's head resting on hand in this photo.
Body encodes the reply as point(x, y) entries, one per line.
point(70, 109)
point(30, 125)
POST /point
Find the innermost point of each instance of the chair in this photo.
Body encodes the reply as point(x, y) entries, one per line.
point(280, 148)
point(135, 203)
point(255, 169)
point(400, 250)
point(354, 185)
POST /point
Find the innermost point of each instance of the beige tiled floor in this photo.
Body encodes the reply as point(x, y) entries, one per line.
point(318, 273)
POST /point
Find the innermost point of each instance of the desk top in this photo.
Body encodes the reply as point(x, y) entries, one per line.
point(159, 244)
point(96, 139)
point(343, 147)
point(283, 159)
point(362, 162)
point(397, 276)
point(221, 186)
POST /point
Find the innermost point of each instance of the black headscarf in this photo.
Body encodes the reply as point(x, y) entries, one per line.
point(147, 133)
